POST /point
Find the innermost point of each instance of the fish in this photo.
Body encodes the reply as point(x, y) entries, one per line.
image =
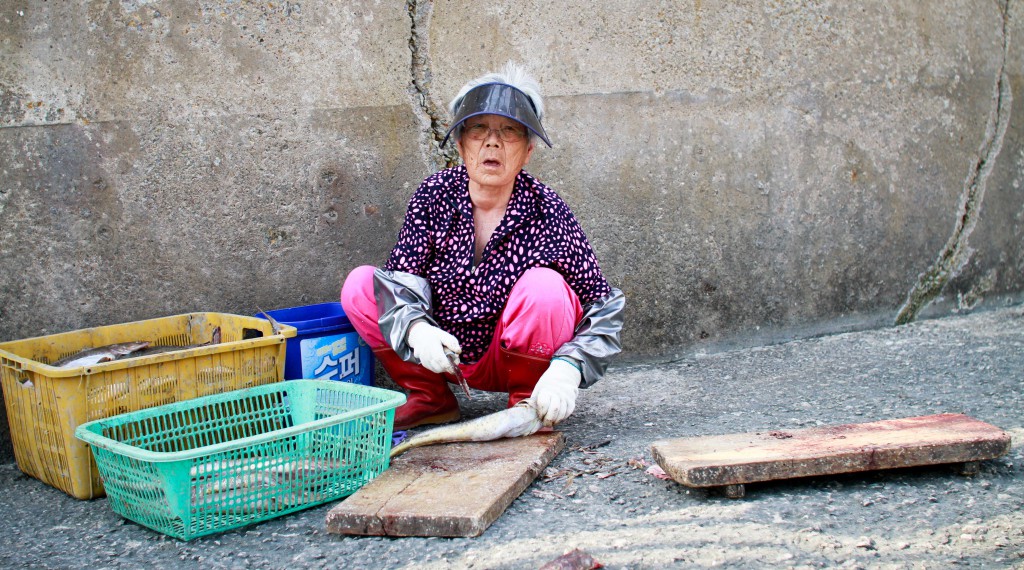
point(280, 469)
point(274, 325)
point(125, 350)
point(162, 348)
point(519, 420)
point(91, 356)
point(249, 486)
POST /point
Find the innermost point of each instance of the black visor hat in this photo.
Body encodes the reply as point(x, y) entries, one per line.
point(498, 99)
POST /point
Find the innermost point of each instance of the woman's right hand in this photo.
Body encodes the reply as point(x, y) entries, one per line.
point(429, 343)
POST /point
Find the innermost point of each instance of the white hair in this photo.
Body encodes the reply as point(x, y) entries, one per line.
point(513, 75)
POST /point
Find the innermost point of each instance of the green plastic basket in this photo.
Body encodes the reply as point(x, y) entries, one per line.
point(225, 461)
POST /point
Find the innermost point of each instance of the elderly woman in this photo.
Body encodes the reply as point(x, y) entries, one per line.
point(491, 274)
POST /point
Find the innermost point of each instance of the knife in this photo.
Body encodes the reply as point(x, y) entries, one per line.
point(458, 373)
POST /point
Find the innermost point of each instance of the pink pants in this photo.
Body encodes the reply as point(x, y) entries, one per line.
point(540, 316)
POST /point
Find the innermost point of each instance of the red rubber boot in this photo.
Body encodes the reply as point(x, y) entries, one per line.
point(428, 399)
point(520, 373)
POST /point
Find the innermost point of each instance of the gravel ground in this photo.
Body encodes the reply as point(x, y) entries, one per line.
point(596, 495)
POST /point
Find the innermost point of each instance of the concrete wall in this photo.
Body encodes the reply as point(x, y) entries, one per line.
point(743, 169)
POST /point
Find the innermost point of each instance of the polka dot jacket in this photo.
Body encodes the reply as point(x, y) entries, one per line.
point(436, 243)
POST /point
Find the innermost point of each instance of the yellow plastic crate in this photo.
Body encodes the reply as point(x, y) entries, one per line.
point(45, 404)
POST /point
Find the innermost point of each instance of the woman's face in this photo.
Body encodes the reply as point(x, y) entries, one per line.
point(494, 160)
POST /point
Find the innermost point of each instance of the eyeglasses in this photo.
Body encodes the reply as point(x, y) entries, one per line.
point(508, 133)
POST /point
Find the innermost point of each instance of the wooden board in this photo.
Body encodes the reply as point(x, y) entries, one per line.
point(736, 459)
point(450, 490)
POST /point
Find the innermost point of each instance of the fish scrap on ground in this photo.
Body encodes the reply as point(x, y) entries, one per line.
point(125, 350)
point(519, 420)
point(593, 463)
point(575, 559)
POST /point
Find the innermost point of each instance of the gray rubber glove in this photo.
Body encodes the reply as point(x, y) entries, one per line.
point(428, 344)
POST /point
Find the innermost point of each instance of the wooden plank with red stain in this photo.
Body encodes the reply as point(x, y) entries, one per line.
point(736, 459)
point(450, 490)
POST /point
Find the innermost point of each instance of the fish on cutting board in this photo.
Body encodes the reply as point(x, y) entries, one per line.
point(519, 420)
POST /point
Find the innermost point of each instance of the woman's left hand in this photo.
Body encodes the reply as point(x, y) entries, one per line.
point(555, 392)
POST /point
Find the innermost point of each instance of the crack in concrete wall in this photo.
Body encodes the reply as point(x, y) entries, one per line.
point(957, 252)
point(432, 116)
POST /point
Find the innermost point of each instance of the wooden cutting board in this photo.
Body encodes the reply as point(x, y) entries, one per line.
point(729, 461)
point(450, 490)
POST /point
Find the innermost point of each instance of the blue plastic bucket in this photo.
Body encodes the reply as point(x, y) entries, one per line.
point(325, 347)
